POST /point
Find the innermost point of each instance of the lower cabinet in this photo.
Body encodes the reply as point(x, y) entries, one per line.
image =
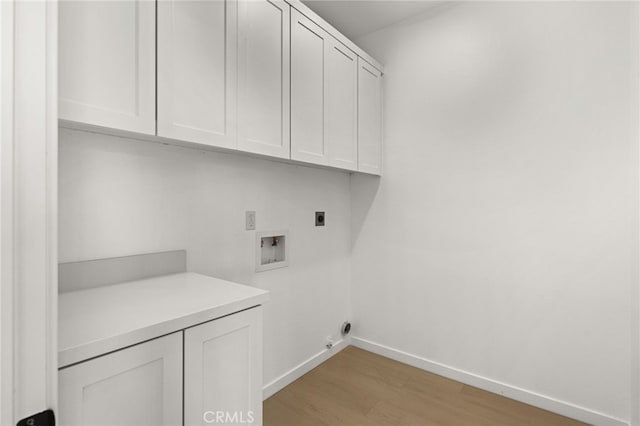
point(140, 385)
point(144, 384)
point(223, 371)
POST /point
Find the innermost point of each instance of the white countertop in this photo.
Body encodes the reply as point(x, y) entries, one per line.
point(103, 319)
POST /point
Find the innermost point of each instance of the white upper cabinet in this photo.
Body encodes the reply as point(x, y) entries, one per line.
point(197, 51)
point(342, 106)
point(263, 77)
point(309, 90)
point(369, 118)
point(324, 93)
point(140, 385)
point(259, 76)
point(107, 64)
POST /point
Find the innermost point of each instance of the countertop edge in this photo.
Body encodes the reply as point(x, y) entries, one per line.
point(77, 354)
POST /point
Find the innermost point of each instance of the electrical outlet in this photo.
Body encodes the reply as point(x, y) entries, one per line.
point(320, 218)
point(250, 220)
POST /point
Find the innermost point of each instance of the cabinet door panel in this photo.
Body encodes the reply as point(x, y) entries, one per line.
point(308, 90)
point(223, 370)
point(369, 118)
point(342, 115)
point(140, 385)
point(197, 49)
point(107, 63)
point(263, 77)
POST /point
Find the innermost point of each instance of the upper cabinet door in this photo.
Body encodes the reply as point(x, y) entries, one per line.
point(197, 51)
point(223, 369)
point(369, 118)
point(342, 102)
point(263, 77)
point(107, 63)
point(309, 46)
point(140, 385)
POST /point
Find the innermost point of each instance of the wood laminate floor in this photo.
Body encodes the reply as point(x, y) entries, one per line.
point(356, 387)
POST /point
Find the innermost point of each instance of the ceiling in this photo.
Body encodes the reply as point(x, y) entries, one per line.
point(355, 18)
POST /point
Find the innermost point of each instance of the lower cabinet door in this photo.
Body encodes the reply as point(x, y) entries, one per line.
point(139, 385)
point(223, 370)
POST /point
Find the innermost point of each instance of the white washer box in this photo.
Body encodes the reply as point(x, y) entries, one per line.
point(272, 250)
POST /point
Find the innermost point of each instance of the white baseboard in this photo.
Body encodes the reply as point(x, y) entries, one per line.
point(303, 368)
point(522, 395)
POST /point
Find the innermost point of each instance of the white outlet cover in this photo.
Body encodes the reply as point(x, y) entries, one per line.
point(250, 220)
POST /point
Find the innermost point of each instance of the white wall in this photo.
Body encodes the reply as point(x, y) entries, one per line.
point(500, 240)
point(119, 197)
